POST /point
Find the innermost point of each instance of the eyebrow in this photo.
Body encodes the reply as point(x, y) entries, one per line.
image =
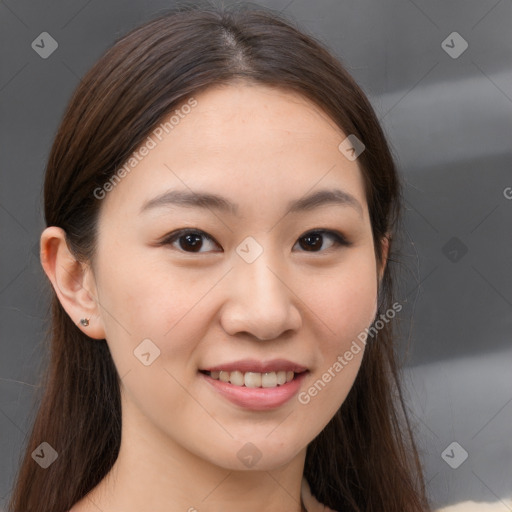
point(187, 199)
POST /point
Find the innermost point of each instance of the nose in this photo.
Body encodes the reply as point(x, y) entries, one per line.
point(261, 301)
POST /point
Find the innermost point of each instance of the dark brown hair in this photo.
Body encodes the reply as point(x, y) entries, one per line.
point(365, 459)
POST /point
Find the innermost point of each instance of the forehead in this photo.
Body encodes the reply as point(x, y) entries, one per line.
point(259, 114)
point(251, 142)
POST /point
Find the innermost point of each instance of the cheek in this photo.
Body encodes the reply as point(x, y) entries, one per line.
point(344, 301)
point(152, 303)
point(344, 305)
point(134, 291)
point(153, 324)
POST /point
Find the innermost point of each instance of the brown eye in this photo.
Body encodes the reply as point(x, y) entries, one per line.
point(193, 241)
point(188, 240)
point(313, 241)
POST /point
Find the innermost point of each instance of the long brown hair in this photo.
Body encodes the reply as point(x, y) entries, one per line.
point(365, 459)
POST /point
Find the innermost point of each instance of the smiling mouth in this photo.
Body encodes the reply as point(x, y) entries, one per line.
point(253, 379)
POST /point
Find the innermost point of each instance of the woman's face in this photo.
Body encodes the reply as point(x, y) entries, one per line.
point(254, 283)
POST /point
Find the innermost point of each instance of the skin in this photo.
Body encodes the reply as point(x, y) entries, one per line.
point(259, 147)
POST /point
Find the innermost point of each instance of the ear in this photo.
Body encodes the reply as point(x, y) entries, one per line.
point(72, 281)
point(385, 242)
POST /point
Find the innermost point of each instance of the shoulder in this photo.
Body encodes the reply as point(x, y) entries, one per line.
point(472, 506)
point(313, 505)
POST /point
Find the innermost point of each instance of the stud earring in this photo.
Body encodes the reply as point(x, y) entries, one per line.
point(84, 322)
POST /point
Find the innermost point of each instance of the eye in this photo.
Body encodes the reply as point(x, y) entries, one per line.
point(314, 240)
point(188, 240)
point(191, 240)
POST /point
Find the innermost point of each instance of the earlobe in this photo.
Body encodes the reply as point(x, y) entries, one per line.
point(72, 281)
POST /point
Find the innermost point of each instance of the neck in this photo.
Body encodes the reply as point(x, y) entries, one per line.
point(154, 473)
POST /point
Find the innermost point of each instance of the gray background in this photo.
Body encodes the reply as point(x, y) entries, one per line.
point(448, 121)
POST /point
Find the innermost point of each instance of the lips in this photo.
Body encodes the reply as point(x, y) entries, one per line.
point(256, 398)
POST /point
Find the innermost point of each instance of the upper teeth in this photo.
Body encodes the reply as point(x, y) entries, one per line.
point(254, 379)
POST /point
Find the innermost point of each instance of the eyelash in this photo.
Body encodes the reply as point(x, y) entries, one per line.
point(338, 238)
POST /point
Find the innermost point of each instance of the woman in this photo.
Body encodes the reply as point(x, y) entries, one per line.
point(221, 205)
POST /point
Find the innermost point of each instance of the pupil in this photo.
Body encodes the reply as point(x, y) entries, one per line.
point(316, 237)
point(194, 244)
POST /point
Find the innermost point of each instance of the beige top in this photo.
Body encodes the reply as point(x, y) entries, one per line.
point(313, 505)
point(472, 506)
